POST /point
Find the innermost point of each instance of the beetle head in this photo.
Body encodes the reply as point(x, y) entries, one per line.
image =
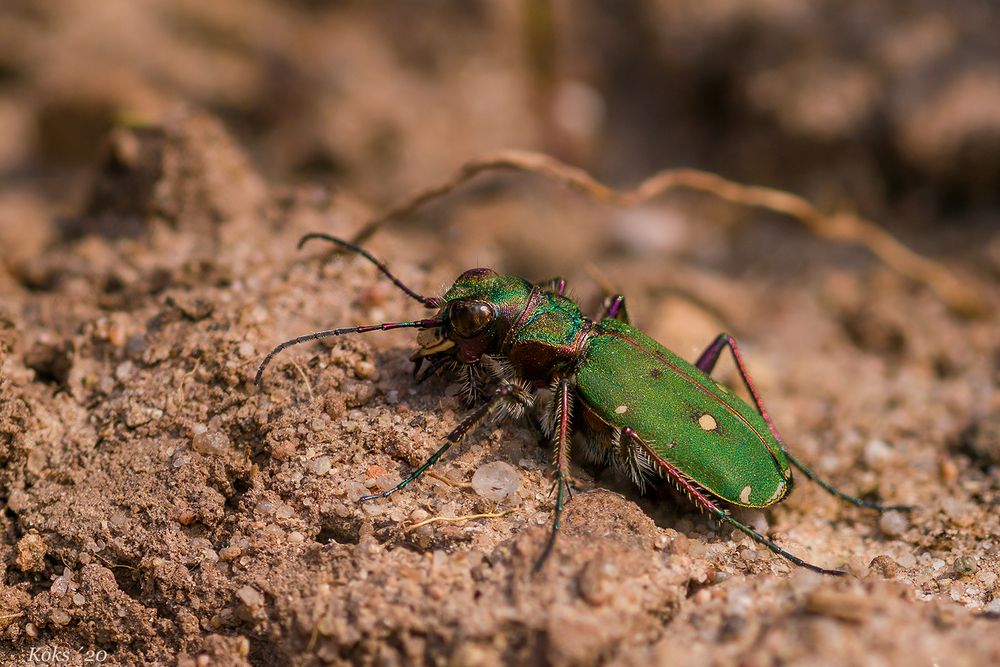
point(477, 313)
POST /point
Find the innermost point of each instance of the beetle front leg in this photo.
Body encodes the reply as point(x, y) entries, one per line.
point(706, 363)
point(561, 439)
point(505, 395)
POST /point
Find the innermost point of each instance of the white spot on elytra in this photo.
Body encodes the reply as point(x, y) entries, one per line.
point(621, 409)
point(707, 422)
point(745, 495)
point(777, 493)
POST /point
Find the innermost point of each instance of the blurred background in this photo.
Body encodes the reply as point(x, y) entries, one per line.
point(892, 108)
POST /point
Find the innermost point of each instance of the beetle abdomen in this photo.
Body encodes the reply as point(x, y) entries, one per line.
point(709, 434)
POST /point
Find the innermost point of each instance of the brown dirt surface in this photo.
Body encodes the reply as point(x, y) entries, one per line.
point(156, 507)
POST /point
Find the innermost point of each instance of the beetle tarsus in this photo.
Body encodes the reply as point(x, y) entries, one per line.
point(834, 491)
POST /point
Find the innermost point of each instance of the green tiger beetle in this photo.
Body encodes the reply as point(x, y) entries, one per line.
point(639, 406)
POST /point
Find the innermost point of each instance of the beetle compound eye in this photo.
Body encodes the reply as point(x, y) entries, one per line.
point(468, 318)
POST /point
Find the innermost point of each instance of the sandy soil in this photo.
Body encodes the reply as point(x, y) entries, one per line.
point(158, 508)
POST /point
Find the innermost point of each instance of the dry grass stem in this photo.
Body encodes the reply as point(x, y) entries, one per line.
point(839, 227)
point(448, 480)
point(305, 378)
point(458, 519)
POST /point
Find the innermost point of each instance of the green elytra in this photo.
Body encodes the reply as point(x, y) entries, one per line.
point(683, 416)
point(636, 404)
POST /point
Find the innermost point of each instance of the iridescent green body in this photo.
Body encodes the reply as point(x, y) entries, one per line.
point(708, 433)
point(627, 380)
point(638, 404)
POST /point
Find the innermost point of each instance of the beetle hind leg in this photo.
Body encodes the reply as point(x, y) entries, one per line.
point(701, 499)
point(630, 459)
point(834, 491)
point(706, 363)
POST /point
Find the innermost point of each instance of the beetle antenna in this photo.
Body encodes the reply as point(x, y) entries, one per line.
point(429, 301)
point(316, 335)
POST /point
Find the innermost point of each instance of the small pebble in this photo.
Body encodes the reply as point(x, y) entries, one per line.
point(948, 471)
point(60, 585)
point(116, 333)
point(598, 581)
point(893, 523)
point(960, 513)
point(319, 465)
point(212, 443)
point(124, 370)
point(354, 490)
point(18, 500)
point(884, 566)
point(249, 596)
point(59, 617)
point(877, 454)
point(365, 370)
point(496, 480)
point(374, 471)
point(79, 600)
point(31, 550)
point(678, 545)
point(965, 565)
point(230, 553)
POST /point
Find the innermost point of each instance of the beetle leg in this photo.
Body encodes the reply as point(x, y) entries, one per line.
point(831, 489)
point(431, 370)
point(471, 381)
point(562, 437)
point(503, 396)
point(706, 362)
point(704, 502)
point(614, 308)
point(555, 285)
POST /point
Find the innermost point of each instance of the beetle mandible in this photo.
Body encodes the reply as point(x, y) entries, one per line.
point(638, 405)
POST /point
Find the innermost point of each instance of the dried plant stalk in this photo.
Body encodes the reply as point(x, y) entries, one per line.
point(459, 519)
point(841, 227)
